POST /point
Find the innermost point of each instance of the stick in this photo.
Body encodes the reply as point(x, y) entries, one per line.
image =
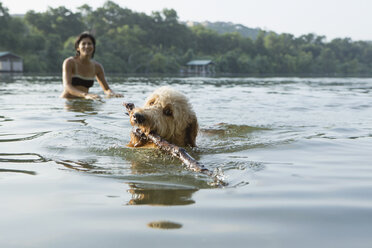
point(175, 151)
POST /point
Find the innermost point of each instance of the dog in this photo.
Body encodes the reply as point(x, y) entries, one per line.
point(168, 113)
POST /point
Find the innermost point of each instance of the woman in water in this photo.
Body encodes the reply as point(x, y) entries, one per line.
point(79, 72)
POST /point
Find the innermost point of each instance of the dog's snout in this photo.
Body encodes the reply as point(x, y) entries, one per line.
point(139, 118)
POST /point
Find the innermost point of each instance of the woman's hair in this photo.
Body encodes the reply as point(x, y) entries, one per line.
point(83, 36)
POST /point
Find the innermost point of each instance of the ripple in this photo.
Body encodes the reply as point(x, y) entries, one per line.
point(21, 158)
point(231, 130)
point(86, 166)
point(33, 173)
point(4, 119)
point(225, 138)
point(21, 137)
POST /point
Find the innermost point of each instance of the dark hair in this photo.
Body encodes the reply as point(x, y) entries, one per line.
point(83, 36)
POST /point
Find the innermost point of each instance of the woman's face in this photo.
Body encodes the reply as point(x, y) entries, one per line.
point(86, 47)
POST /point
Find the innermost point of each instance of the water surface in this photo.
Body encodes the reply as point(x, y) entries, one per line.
point(295, 152)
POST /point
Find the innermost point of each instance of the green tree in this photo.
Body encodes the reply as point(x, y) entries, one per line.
point(59, 21)
point(131, 42)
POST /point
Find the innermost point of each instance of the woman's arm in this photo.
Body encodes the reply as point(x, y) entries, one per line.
point(67, 68)
point(100, 75)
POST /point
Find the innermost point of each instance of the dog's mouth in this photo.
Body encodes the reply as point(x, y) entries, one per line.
point(140, 138)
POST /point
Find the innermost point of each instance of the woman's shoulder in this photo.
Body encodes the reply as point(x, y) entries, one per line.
point(69, 61)
point(97, 66)
point(96, 63)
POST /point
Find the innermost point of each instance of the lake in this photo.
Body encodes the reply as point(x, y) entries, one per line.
point(296, 154)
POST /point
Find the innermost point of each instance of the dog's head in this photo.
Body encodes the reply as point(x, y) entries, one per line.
point(168, 113)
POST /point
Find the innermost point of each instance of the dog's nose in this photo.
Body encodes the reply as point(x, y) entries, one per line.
point(139, 118)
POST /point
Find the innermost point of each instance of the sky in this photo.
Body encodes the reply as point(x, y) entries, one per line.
point(331, 18)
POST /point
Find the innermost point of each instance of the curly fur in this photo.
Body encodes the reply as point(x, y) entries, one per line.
point(168, 113)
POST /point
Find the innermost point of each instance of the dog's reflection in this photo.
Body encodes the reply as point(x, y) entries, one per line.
point(160, 179)
point(154, 181)
point(159, 196)
point(148, 192)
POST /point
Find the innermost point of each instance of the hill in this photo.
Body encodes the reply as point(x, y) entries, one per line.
point(228, 27)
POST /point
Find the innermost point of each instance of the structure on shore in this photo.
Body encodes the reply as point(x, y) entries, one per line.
point(10, 62)
point(200, 67)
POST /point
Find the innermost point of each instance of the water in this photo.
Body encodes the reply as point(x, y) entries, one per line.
point(295, 152)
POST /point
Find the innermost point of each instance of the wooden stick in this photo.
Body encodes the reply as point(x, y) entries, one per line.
point(175, 151)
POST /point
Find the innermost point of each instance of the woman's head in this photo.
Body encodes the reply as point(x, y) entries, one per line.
point(85, 37)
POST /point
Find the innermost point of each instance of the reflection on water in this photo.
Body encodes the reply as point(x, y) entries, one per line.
point(164, 225)
point(80, 165)
point(33, 173)
point(4, 118)
point(16, 158)
point(159, 196)
point(21, 158)
point(20, 137)
point(150, 192)
point(83, 106)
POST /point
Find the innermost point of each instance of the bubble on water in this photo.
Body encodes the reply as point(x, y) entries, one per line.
point(219, 178)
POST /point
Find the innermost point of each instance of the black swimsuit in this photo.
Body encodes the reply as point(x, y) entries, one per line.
point(78, 80)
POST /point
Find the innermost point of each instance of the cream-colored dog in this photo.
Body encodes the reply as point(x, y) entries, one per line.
point(167, 113)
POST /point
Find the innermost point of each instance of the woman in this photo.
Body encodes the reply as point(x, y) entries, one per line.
point(79, 72)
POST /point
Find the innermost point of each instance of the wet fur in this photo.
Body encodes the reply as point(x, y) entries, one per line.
point(168, 113)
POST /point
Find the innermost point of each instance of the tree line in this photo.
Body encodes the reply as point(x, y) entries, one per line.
point(133, 42)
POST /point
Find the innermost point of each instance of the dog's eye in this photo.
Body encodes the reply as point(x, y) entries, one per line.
point(167, 112)
point(151, 103)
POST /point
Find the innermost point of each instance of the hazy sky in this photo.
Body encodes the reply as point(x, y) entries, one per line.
point(332, 18)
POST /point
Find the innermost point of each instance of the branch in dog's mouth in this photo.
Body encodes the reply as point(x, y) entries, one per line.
point(173, 150)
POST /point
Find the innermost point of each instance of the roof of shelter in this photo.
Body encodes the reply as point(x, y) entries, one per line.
point(200, 62)
point(9, 54)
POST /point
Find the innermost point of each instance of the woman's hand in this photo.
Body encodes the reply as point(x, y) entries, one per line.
point(115, 95)
point(92, 96)
point(110, 93)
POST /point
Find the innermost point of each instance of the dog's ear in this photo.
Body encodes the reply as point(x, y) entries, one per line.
point(192, 132)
